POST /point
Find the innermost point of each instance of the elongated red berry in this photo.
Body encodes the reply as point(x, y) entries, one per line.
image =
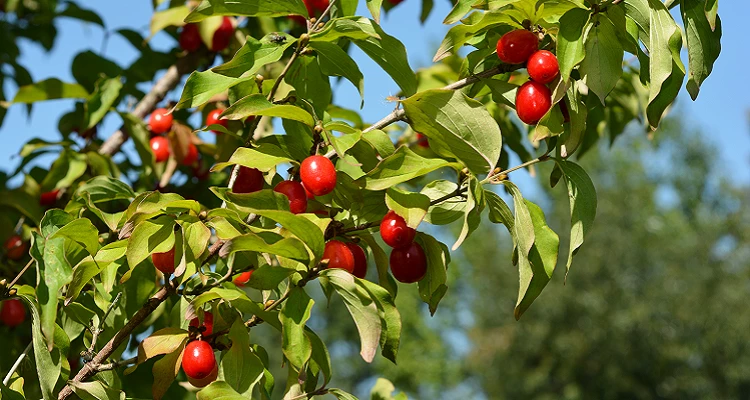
point(296, 195)
point(198, 360)
point(533, 100)
point(395, 232)
point(223, 35)
point(164, 262)
point(160, 148)
point(318, 175)
point(190, 38)
point(243, 278)
point(160, 121)
point(208, 323)
point(543, 67)
point(248, 180)
point(339, 255)
point(409, 264)
point(12, 312)
point(192, 155)
point(360, 260)
point(15, 248)
point(515, 47)
point(213, 118)
point(48, 199)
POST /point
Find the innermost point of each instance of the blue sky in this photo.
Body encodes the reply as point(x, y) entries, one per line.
point(721, 110)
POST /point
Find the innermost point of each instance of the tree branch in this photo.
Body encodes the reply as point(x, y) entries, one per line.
point(490, 178)
point(116, 364)
point(15, 366)
point(163, 86)
point(96, 330)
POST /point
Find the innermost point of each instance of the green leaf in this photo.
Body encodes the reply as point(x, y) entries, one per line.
point(375, 6)
point(65, 170)
point(502, 92)
point(268, 242)
point(150, 236)
point(341, 395)
point(446, 211)
point(255, 54)
point(265, 157)
point(390, 54)
point(382, 263)
point(355, 28)
point(460, 9)
point(457, 126)
point(390, 318)
point(412, 207)
point(433, 287)
point(48, 363)
point(80, 231)
point(361, 306)
point(219, 391)
point(88, 67)
point(96, 391)
point(523, 226)
point(473, 211)
point(240, 367)
point(582, 195)
point(402, 166)
point(294, 315)
point(380, 141)
point(202, 86)
point(56, 272)
point(137, 130)
point(570, 40)
point(334, 61)
point(74, 11)
point(165, 371)
point(173, 16)
point(499, 211)
point(49, 89)
point(310, 83)
point(602, 67)
point(383, 389)
point(23, 202)
point(87, 269)
point(163, 341)
point(703, 43)
point(256, 104)
point(195, 237)
point(320, 356)
point(575, 131)
point(537, 272)
point(250, 8)
point(268, 277)
point(474, 25)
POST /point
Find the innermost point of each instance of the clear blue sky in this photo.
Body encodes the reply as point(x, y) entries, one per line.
point(721, 111)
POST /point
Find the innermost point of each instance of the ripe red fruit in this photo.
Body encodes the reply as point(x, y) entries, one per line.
point(190, 38)
point(192, 155)
point(213, 119)
point(208, 323)
point(243, 278)
point(199, 383)
point(360, 260)
point(395, 232)
point(48, 199)
point(160, 121)
point(310, 195)
point(515, 47)
point(318, 175)
point(296, 195)
point(543, 66)
point(422, 141)
point(533, 100)
point(198, 361)
point(15, 248)
point(12, 312)
point(164, 262)
point(223, 35)
point(339, 255)
point(248, 180)
point(160, 147)
point(409, 264)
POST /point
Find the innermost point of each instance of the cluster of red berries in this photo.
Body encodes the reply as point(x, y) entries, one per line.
point(347, 256)
point(315, 8)
point(160, 123)
point(12, 312)
point(408, 261)
point(534, 98)
point(198, 360)
point(190, 37)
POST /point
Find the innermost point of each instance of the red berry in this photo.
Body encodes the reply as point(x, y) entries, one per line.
point(48, 199)
point(422, 141)
point(248, 180)
point(223, 35)
point(360, 260)
point(339, 255)
point(249, 119)
point(318, 175)
point(192, 155)
point(12, 312)
point(243, 278)
point(190, 38)
point(208, 323)
point(160, 121)
point(15, 248)
point(213, 119)
point(164, 262)
point(160, 148)
point(198, 361)
point(310, 195)
point(543, 66)
point(515, 47)
point(409, 264)
point(395, 2)
point(395, 232)
point(533, 100)
point(296, 195)
point(199, 383)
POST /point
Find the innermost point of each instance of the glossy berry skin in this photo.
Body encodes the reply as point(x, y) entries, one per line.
point(515, 47)
point(409, 264)
point(310, 195)
point(296, 195)
point(543, 67)
point(15, 248)
point(160, 121)
point(243, 278)
point(198, 361)
point(213, 119)
point(192, 155)
point(48, 199)
point(248, 180)
point(223, 35)
point(208, 323)
point(339, 255)
point(164, 262)
point(360, 260)
point(533, 100)
point(190, 38)
point(12, 312)
point(422, 141)
point(318, 175)
point(199, 383)
point(395, 232)
point(160, 148)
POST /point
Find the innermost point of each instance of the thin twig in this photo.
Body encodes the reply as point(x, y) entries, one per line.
point(13, 282)
point(529, 163)
point(311, 275)
point(322, 16)
point(116, 364)
point(96, 330)
point(212, 251)
point(449, 196)
point(16, 365)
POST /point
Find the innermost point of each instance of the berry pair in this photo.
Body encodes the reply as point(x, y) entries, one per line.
point(190, 37)
point(159, 123)
point(347, 256)
point(534, 98)
point(408, 261)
